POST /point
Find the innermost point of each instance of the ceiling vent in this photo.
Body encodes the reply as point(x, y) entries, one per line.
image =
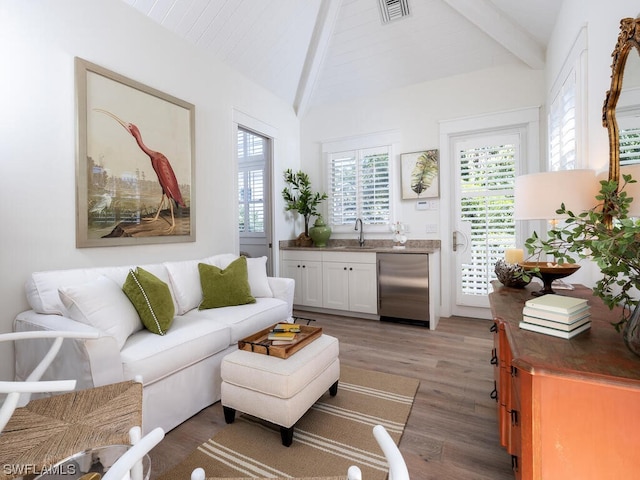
point(393, 9)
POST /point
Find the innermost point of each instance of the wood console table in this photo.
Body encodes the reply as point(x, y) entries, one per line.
point(566, 408)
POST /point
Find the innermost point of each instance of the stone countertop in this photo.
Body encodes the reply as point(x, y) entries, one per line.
point(375, 246)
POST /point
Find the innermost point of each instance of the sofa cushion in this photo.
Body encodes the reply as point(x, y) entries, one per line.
point(244, 320)
point(151, 298)
point(189, 341)
point(185, 279)
point(101, 303)
point(224, 288)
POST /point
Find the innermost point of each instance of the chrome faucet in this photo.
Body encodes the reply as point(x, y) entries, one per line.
point(361, 236)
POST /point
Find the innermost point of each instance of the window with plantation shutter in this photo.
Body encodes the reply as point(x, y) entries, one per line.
point(359, 186)
point(487, 178)
point(567, 110)
point(562, 127)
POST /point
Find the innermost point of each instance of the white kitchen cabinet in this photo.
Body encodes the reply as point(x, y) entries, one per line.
point(305, 268)
point(350, 281)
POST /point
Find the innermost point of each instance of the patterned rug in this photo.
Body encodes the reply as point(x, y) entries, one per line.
point(333, 435)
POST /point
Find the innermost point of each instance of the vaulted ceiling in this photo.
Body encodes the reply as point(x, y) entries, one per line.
point(315, 52)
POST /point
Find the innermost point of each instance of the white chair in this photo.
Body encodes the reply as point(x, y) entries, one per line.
point(20, 391)
point(129, 465)
point(397, 466)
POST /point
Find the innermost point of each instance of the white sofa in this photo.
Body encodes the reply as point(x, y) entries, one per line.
point(180, 370)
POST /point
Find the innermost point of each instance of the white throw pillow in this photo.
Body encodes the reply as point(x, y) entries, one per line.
point(102, 304)
point(257, 270)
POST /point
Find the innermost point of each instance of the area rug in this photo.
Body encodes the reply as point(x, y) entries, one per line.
point(333, 435)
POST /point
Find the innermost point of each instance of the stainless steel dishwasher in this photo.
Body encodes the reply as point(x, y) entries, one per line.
point(403, 287)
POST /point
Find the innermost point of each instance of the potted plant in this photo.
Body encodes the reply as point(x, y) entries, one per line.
point(300, 198)
point(606, 235)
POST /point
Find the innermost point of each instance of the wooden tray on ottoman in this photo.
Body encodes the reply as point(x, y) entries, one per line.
point(258, 343)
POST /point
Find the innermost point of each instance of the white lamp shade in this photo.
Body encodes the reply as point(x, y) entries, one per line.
point(539, 195)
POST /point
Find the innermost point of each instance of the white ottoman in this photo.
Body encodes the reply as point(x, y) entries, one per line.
point(280, 390)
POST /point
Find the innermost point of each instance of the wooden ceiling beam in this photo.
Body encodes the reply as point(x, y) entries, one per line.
point(488, 18)
point(327, 17)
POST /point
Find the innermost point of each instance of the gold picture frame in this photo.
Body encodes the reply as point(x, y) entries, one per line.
point(420, 174)
point(135, 162)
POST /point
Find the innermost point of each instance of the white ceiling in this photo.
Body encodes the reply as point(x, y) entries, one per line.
point(314, 52)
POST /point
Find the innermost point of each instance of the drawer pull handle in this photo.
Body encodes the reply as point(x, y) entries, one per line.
point(494, 357)
point(514, 463)
point(494, 392)
point(494, 328)
point(514, 417)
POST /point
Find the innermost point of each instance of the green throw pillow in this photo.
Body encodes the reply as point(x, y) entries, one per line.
point(151, 298)
point(225, 288)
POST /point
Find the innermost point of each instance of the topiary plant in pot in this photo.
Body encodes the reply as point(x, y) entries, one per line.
point(609, 237)
point(300, 198)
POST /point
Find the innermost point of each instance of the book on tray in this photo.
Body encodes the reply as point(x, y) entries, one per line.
point(555, 332)
point(287, 327)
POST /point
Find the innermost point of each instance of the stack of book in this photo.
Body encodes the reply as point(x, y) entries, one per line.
point(283, 333)
point(556, 315)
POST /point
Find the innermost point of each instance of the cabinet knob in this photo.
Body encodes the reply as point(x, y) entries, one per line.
point(304, 266)
point(350, 268)
point(298, 266)
point(344, 268)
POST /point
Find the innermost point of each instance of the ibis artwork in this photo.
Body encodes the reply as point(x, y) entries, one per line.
point(161, 165)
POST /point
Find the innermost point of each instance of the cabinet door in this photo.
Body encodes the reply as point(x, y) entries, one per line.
point(312, 284)
point(335, 285)
point(363, 288)
point(293, 269)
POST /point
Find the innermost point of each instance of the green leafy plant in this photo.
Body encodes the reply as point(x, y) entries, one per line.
point(300, 198)
point(606, 235)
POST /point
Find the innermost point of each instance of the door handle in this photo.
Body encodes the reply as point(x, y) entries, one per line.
point(457, 244)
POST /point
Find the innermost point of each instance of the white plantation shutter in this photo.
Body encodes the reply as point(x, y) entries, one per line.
point(486, 203)
point(562, 127)
point(251, 178)
point(359, 186)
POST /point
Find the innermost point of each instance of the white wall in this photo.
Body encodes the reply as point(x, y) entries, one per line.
point(38, 43)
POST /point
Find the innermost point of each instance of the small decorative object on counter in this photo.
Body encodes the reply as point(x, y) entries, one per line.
point(320, 233)
point(509, 274)
point(399, 238)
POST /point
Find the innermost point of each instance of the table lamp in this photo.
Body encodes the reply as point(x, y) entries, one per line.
point(539, 195)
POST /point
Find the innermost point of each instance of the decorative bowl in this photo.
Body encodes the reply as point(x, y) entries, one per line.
point(508, 274)
point(548, 272)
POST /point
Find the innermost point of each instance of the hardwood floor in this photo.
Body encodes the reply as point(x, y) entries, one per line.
point(452, 432)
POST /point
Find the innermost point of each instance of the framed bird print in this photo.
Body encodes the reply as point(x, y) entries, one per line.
point(420, 174)
point(135, 162)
